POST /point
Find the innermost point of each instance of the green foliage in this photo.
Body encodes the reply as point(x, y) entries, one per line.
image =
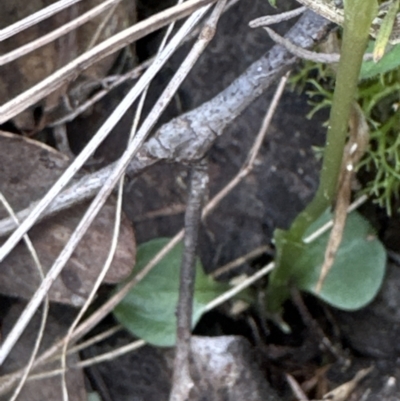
point(390, 61)
point(359, 15)
point(385, 30)
point(148, 310)
point(379, 98)
point(357, 272)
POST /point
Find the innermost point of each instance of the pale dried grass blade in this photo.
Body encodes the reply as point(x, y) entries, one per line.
point(35, 18)
point(276, 18)
point(108, 186)
point(51, 36)
point(354, 150)
point(45, 311)
point(102, 50)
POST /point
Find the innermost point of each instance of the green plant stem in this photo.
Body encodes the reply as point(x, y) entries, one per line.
point(358, 18)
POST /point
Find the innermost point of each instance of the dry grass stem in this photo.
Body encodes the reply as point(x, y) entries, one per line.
point(102, 50)
point(241, 260)
point(249, 164)
point(240, 287)
point(110, 82)
point(35, 18)
point(102, 25)
point(61, 31)
point(45, 311)
point(106, 189)
point(276, 18)
point(99, 280)
point(259, 76)
point(116, 230)
point(94, 340)
point(353, 152)
point(115, 173)
point(98, 137)
point(326, 58)
point(109, 305)
point(107, 356)
point(355, 205)
point(296, 388)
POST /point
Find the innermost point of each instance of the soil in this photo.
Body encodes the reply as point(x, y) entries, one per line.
point(326, 348)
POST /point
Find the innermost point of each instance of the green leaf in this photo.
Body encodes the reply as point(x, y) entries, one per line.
point(388, 62)
point(385, 30)
point(357, 272)
point(148, 310)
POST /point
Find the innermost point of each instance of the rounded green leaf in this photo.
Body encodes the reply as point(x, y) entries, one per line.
point(357, 272)
point(148, 310)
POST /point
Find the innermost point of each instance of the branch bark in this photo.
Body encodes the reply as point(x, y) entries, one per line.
point(182, 382)
point(188, 137)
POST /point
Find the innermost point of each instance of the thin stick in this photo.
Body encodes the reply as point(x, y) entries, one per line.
point(35, 18)
point(182, 382)
point(95, 339)
point(327, 58)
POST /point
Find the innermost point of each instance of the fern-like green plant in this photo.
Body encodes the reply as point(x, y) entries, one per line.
point(379, 97)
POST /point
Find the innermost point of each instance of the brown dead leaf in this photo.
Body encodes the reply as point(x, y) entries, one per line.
point(27, 170)
point(353, 151)
point(23, 73)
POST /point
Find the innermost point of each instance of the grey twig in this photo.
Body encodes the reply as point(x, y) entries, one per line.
point(182, 382)
point(307, 54)
point(188, 137)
